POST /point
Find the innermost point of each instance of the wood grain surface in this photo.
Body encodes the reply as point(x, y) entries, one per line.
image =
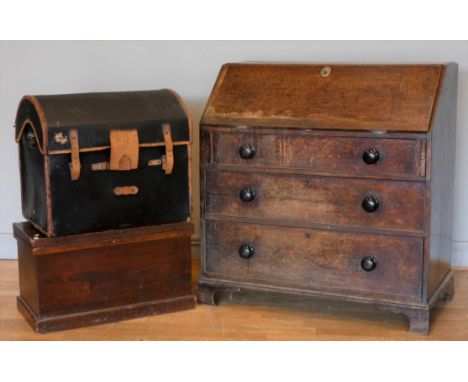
point(261, 316)
point(352, 97)
point(398, 157)
point(315, 199)
point(364, 151)
point(319, 260)
point(77, 284)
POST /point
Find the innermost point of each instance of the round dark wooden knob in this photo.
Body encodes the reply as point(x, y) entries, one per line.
point(247, 194)
point(246, 251)
point(368, 263)
point(247, 151)
point(371, 156)
point(370, 204)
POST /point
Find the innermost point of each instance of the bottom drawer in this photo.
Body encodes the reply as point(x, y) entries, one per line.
point(319, 260)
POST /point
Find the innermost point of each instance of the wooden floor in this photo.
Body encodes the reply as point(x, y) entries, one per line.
point(251, 316)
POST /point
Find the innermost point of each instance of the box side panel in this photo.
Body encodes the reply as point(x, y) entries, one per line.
point(28, 277)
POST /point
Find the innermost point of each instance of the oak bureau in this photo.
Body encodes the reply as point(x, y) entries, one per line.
point(330, 180)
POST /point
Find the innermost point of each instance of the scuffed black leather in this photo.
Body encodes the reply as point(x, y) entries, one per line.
point(89, 204)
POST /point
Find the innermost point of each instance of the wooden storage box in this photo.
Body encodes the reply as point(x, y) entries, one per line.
point(80, 280)
point(331, 180)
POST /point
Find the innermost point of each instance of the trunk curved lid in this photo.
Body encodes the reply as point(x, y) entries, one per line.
point(94, 115)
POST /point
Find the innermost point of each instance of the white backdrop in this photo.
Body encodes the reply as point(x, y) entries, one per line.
point(54, 67)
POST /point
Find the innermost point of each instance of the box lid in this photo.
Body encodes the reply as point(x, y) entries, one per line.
point(42, 245)
point(326, 96)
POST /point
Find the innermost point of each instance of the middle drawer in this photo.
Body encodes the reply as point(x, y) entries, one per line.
point(394, 205)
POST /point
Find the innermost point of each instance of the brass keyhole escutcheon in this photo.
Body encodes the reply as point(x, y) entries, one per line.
point(325, 71)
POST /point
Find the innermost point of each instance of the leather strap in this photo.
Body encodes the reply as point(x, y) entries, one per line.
point(75, 165)
point(125, 190)
point(124, 149)
point(168, 163)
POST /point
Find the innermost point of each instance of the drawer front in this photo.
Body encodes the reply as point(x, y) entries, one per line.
point(319, 200)
point(317, 259)
point(385, 157)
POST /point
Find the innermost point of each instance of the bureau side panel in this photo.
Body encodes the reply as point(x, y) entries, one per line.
point(441, 157)
point(205, 159)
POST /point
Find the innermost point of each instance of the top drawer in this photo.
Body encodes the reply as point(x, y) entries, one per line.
point(358, 156)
